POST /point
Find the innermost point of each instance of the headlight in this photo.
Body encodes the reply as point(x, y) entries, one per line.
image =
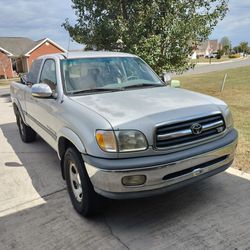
point(229, 118)
point(130, 140)
point(121, 141)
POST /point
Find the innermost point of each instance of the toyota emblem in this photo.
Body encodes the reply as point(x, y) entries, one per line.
point(196, 128)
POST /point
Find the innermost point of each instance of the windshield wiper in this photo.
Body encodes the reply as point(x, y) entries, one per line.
point(94, 90)
point(143, 85)
point(116, 89)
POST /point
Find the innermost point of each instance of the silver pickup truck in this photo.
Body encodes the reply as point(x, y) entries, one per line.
point(118, 129)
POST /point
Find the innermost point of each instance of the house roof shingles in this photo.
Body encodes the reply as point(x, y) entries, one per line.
point(19, 46)
point(16, 45)
point(33, 45)
point(212, 44)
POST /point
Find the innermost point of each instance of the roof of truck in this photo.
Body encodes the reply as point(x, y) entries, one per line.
point(90, 54)
point(87, 54)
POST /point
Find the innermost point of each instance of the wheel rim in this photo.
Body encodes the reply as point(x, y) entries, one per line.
point(75, 181)
point(21, 125)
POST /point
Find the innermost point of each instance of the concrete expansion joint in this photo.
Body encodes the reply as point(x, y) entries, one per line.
point(114, 235)
point(43, 196)
point(55, 192)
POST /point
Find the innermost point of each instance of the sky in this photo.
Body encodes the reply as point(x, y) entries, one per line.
point(236, 24)
point(38, 19)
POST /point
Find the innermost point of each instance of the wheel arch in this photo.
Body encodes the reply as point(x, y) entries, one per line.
point(17, 109)
point(67, 138)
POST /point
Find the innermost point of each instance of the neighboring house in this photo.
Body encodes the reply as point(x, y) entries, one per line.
point(206, 48)
point(18, 53)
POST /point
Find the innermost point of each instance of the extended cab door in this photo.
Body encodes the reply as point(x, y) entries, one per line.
point(43, 112)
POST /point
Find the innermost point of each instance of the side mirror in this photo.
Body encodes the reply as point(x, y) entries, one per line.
point(166, 78)
point(41, 90)
point(175, 84)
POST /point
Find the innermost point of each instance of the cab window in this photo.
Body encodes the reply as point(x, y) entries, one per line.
point(48, 74)
point(34, 71)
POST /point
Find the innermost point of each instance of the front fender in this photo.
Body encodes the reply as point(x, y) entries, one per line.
point(73, 138)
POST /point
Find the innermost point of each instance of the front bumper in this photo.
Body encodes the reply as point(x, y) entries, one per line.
point(173, 170)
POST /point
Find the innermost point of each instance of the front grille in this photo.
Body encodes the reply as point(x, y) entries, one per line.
point(176, 134)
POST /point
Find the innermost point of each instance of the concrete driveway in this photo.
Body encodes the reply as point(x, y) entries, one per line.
point(36, 213)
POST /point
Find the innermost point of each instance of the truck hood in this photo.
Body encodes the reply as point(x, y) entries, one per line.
point(144, 108)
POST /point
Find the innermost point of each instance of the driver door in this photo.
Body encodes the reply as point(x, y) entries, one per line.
point(42, 111)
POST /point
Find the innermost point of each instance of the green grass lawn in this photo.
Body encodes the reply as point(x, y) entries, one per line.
point(237, 95)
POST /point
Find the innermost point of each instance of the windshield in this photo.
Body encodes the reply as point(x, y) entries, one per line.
point(109, 73)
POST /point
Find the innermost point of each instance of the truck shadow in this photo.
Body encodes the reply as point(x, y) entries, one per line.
point(38, 158)
point(211, 213)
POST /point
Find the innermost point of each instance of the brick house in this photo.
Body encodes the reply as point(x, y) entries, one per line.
point(209, 47)
point(18, 53)
point(206, 48)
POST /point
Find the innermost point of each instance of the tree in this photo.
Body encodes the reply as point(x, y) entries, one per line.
point(162, 32)
point(236, 49)
point(243, 47)
point(226, 44)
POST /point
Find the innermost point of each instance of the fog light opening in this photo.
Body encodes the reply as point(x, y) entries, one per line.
point(134, 180)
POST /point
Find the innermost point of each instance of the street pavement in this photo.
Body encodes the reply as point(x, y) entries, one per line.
point(205, 68)
point(36, 213)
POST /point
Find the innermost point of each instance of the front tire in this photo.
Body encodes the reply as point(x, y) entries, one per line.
point(27, 133)
point(83, 197)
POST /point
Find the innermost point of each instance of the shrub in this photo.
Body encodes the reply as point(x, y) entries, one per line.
point(234, 56)
point(219, 54)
